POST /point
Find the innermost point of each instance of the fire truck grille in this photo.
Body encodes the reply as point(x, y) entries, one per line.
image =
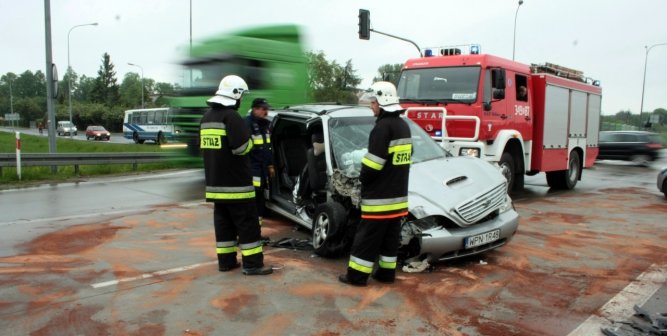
point(481, 205)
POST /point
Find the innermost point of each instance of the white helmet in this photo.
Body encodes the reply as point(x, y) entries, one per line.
point(230, 90)
point(385, 94)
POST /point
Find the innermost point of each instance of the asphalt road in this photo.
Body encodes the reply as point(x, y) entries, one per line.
point(135, 256)
point(81, 135)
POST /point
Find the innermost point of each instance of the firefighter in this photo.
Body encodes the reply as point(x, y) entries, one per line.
point(384, 191)
point(225, 143)
point(261, 155)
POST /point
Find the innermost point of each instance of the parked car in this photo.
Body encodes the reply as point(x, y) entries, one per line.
point(66, 128)
point(662, 181)
point(97, 133)
point(637, 146)
point(458, 206)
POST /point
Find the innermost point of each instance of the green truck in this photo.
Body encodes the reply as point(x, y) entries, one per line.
point(270, 59)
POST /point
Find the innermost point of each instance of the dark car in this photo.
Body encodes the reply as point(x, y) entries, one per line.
point(97, 133)
point(637, 146)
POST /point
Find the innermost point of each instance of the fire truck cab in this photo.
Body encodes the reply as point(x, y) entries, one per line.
point(528, 119)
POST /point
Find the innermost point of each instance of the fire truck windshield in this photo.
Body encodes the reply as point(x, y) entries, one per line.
point(439, 85)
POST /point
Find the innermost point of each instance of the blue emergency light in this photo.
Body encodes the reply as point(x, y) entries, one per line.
point(474, 49)
point(428, 52)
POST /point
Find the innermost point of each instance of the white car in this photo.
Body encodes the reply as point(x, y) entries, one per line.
point(458, 206)
point(66, 128)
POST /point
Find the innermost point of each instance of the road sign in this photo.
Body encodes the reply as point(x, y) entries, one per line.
point(12, 116)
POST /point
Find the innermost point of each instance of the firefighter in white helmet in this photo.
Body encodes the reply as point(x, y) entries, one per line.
point(225, 142)
point(384, 191)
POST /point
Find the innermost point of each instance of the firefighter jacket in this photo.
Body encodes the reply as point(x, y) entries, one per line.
point(261, 154)
point(385, 169)
point(225, 143)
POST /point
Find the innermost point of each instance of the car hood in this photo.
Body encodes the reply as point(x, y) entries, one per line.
point(439, 187)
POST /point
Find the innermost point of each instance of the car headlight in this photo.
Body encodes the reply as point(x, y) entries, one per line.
point(506, 205)
point(467, 151)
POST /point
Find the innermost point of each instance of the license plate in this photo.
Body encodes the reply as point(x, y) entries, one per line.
point(481, 239)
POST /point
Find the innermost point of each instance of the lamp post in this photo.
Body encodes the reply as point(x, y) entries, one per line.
point(515, 16)
point(69, 78)
point(641, 107)
point(142, 82)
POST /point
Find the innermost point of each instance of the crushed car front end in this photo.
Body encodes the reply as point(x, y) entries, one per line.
point(458, 207)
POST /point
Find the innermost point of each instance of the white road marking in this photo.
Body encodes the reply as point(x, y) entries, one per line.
point(163, 272)
point(620, 307)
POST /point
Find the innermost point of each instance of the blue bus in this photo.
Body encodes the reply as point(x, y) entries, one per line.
point(152, 124)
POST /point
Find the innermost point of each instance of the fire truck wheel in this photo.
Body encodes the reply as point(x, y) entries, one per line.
point(566, 179)
point(506, 164)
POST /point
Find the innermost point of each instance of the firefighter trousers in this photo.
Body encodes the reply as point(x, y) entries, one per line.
point(236, 228)
point(375, 239)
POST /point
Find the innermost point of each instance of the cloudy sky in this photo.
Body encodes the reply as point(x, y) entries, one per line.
point(604, 38)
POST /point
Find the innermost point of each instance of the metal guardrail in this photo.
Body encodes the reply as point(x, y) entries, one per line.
point(78, 159)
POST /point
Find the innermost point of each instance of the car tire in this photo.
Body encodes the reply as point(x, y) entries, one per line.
point(507, 168)
point(329, 230)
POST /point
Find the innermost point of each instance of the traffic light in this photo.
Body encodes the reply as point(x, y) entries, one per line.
point(364, 24)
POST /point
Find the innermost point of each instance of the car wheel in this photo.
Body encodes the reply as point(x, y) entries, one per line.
point(506, 164)
point(664, 188)
point(566, 179)
point(328, 230)
point(641, 159)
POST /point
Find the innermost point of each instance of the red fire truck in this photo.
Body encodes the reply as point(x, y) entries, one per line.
point(528, 119)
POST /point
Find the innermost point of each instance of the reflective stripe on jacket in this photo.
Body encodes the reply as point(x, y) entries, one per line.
point(385, 169)
point(225, 143)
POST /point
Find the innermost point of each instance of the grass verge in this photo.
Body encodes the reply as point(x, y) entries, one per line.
point(39, 144)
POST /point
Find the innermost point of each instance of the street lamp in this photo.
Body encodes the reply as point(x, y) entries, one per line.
point(142, 82)
point(641, 107)
point(515, 15)
point(69, 78)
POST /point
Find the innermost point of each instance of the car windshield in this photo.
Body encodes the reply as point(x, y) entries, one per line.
point(97, 128)
point(349, 142)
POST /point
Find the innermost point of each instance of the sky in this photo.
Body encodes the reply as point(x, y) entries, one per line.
point(606, 39)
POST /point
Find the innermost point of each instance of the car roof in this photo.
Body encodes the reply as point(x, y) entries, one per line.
point(628, 132)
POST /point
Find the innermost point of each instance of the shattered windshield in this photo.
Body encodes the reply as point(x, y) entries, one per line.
point(349, 142)
point(439, 85)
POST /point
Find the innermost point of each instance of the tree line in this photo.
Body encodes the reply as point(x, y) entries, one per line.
point(101, 100)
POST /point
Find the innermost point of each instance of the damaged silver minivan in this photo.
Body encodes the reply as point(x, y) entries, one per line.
point(458, 206)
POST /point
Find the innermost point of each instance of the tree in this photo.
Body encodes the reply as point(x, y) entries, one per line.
point(64, 85)
point(331, 82)
point(389, 72)
point(130, 90)
point(105, 90)
point(84, 89)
